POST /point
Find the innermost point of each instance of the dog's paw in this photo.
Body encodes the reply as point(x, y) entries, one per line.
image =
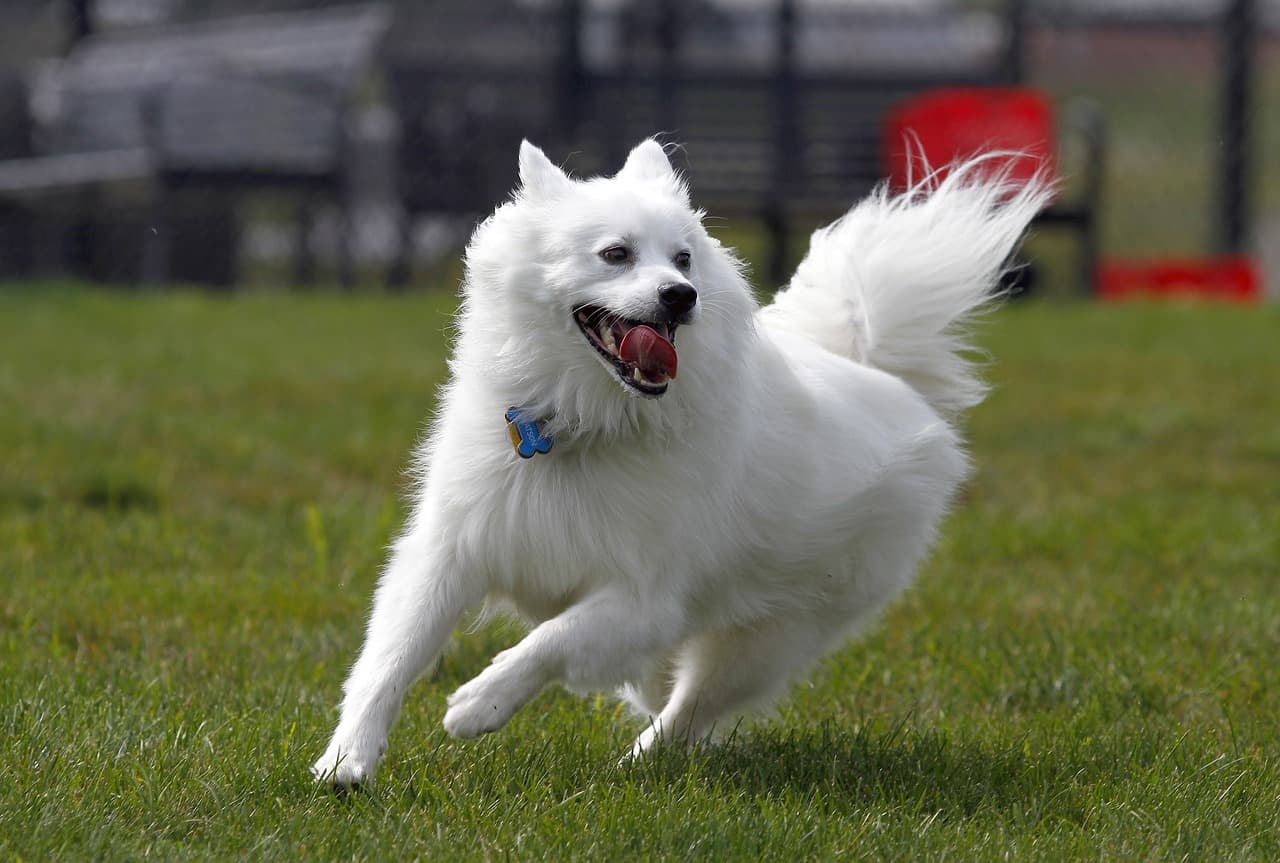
point(653, 739)
point(649, 741)
point(646, 743)
point(478, 707)
point(472, 717)
point(488, 702)
point(346, 766)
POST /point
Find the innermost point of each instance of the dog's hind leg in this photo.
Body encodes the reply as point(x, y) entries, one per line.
point(650, 693)
point(723, 674)
point(417, 605)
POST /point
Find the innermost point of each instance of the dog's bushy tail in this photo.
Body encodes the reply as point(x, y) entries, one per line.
point(894, 282)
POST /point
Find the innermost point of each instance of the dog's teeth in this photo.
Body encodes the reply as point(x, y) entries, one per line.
point(643, 379)
point(606, 337)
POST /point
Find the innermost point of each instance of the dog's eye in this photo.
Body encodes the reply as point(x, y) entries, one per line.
point(616, 254)
point(682, 260)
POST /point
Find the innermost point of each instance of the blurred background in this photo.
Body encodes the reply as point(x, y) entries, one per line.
point(263, 144)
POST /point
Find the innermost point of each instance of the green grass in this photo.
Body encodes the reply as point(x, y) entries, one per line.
point(195, 494)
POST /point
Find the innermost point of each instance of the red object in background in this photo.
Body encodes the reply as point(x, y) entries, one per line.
point(931, 131)
point(1233, 278)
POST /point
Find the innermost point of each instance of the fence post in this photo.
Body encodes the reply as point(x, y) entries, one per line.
point(572, 90)
point(79, 20)
point(1237, 50)
point(80, 239)
point(1015, 49)
point(786, 155)
point(668, 32)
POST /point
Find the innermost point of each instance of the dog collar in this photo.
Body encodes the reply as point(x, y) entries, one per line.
point(526, 434)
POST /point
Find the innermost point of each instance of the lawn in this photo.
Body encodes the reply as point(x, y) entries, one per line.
point(195, 495)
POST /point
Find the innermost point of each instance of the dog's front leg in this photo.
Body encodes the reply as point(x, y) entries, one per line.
point(418, 602)
point(606, 639)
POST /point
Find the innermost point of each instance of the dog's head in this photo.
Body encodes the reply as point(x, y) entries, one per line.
point(602, 295)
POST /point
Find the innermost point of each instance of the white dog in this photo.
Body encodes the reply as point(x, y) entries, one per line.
point(692, 530)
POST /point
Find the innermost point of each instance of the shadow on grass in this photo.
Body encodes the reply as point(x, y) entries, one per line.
point(920, 769)
point(118, 493)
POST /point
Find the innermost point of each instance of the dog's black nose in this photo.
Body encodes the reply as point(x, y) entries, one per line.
point(678, 297)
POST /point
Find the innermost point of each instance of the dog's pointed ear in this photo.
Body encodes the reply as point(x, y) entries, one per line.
point(648, 161)
point(539, 176)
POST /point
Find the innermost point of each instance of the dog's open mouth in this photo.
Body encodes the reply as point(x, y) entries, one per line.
point(643, 353)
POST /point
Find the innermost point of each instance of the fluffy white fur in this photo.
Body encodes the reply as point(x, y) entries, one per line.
point(695, 551)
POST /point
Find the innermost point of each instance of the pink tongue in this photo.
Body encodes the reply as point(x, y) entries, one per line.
point(648, 351)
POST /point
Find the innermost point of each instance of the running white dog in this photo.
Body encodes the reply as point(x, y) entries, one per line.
point(692, 531)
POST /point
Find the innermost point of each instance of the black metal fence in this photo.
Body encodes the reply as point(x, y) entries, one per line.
point(1191, 94)
point(1190, 88)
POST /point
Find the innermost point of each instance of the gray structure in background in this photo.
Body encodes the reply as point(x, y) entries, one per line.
point(144, 138)
point(1173, 169)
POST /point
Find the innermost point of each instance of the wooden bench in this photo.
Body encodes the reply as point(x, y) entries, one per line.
point(212, 108)
point(783, 122)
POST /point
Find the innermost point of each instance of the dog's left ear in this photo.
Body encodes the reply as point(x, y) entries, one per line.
point(648, 161)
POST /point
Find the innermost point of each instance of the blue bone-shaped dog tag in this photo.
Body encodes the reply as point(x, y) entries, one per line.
point(526, 434)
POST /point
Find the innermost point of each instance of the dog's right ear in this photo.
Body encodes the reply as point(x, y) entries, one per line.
point(539, 177)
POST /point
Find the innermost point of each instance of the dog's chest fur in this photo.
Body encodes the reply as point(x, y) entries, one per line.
point(562, 524)
point(672, 521)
